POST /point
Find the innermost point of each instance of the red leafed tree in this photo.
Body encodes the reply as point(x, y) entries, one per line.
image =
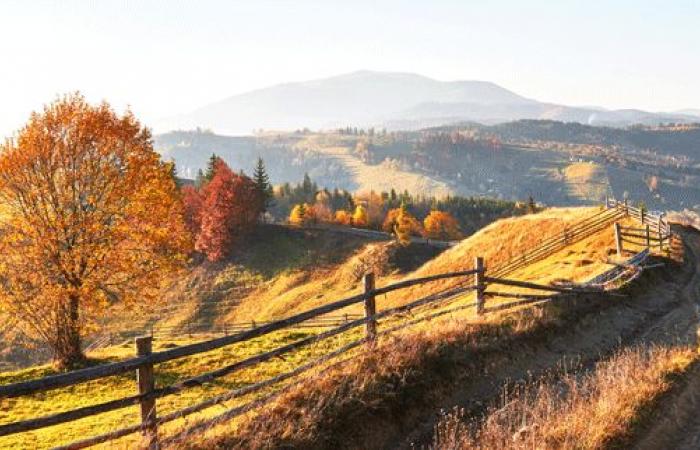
point(229, 209)
point(192, 202)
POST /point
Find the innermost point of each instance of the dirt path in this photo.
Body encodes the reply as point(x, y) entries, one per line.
point(659, 311)
point(676, 423)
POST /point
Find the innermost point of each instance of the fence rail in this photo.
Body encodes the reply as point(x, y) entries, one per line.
point(144, 363)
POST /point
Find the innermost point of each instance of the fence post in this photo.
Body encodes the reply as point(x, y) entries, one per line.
point(642, 213)
point(627, 211)
point(370, 306)
point(607, 202)
point(146, 383)
point(661, 234)
point(647, 231)
point(479, 284)
point(618, 239)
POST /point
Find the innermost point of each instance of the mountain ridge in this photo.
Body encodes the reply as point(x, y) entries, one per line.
point(392, 100)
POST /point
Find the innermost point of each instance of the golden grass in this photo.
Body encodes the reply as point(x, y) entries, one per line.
point(497, 243)
point(593, 411)
point(122, 386)
point(360, 403)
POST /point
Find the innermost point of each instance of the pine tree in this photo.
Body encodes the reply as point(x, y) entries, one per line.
point(263, 188)
point(211, 167)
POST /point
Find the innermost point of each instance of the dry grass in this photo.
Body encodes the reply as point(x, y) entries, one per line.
point(363, 402)
point(508, 238)
point(593, 411)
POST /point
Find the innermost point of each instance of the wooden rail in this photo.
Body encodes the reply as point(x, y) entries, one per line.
point(655, 230)
point(145, 361)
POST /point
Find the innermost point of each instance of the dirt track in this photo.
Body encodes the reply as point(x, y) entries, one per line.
point(660, 310)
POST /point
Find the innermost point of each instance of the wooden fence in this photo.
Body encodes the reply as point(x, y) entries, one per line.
point(655, 230)
point(145, 360)
point(144, 364)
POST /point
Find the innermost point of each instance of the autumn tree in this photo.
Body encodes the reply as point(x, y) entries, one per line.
point(192, 202)
point(91, 217)
point(342, 217)
point(441, 225)
point(391, 219)
point(230, 209)
point(359, 217)
point(298, 214)
point(373, 205)
point(404, 225)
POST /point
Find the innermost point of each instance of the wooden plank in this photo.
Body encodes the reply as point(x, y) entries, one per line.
point(524, 284)
point(370, 307)
point(415, 281)
point(146, 385)
point(67, 416)
point(479, 286)
point(618, 239)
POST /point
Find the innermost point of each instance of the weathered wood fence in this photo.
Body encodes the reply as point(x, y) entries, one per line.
point(145, 360)
point(478, 280)
point(655, 231)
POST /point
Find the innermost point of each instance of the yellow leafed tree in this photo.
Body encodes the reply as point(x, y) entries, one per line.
point(299, 213)
point(359, 217)
point(404, 225)
point(91, 217)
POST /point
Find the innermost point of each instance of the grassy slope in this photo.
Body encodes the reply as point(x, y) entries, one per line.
point(497, 242)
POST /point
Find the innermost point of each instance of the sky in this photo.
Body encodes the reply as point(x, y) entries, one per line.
point(161, 58)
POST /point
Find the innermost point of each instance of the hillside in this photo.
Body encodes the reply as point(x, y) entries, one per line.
point(389, 99)
point(659, 166)
point(317, 268)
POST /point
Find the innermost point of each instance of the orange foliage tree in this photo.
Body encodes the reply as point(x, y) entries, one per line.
point(411, 223)
point(343, 217)
point(230, 209)
point(441, 225)
point(91, 216)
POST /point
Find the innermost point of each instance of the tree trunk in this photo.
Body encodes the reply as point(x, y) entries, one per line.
point(68, 352)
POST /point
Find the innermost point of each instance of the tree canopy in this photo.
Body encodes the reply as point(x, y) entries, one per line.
point(91, 216)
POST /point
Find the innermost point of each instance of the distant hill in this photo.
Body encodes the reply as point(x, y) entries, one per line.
point(558, 163)
point(392, 100)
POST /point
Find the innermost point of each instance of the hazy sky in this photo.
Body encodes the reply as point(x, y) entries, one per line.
point(167, 57)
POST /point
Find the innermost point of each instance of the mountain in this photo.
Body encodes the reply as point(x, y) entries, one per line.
point(389, 99)
point(689, 112)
